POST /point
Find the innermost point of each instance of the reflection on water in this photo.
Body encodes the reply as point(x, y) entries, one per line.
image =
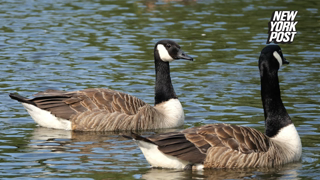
point(71, 45)
point(287, 172)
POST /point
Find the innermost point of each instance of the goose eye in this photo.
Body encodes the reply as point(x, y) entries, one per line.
point(168, 45)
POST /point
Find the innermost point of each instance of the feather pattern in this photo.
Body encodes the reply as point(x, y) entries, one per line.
point(109, 110)
point(99, 109)
point(222, 146)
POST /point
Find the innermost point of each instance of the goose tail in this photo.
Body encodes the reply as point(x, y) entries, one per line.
point(137, 137)
point(21, 99)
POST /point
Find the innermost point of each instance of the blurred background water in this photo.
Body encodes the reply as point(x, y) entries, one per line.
point(72, 45)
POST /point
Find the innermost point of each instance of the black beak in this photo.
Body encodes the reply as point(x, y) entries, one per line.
point(285, 61)
point(182, 55)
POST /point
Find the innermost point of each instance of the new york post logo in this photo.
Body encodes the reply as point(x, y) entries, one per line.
point(282, 27)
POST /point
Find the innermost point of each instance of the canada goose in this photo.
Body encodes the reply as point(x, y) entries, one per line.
point(232, 146)
point(109, 110)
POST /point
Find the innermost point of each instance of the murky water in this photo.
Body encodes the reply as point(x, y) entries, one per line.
point(72, 45)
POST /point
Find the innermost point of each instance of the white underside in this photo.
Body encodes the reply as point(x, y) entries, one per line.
point(289, 139)
point(158, 159)
point(46, 119)
point(172, 111)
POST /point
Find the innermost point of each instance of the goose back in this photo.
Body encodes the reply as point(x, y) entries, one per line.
point(222, 146)
point(98, 109)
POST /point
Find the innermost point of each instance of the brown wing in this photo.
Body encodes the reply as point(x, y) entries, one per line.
point(243, 139)
point(176, 144)
point(212, 144)
point(68, 104)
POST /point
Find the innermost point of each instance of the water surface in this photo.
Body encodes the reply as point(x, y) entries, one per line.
point(72, 45)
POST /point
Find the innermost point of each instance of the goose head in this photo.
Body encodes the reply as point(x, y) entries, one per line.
point(272, 57)
point(168, 51)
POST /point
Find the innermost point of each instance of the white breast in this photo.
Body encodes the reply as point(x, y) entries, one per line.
point(289, 140)
point(172, 113)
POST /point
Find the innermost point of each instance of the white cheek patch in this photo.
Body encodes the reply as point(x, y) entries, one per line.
point(278, 57)
point(163, 53)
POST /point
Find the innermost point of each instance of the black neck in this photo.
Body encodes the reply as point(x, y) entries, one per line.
point(275, 113)
point(163, 89)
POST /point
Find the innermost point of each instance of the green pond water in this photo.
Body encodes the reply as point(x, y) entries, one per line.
point(73, 45)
